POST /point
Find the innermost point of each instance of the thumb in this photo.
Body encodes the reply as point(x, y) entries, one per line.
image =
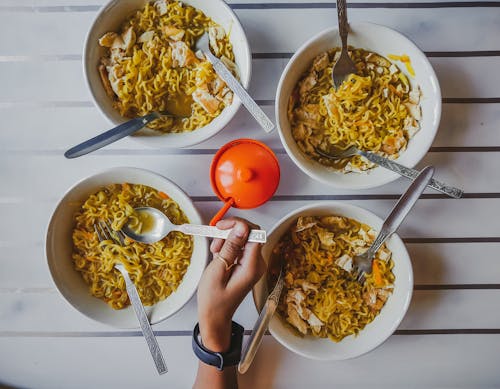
point(231, 249)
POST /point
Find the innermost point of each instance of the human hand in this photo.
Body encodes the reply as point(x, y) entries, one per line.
point(221, 291)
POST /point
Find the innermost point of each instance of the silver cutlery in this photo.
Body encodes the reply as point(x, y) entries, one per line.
point(104, 232)
point(234, 85)
point(117, 133)
point(157, 225)
point(362, 264)
point(337, 153)
point(344, 65)
point(262, 323)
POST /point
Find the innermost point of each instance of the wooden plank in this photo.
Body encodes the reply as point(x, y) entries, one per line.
point(55, 129)
point(360, 3)
point(429, 361)
point(64, 32)
point(63, 80)
point(27, 179)
point(434, 265)
point(34, 311)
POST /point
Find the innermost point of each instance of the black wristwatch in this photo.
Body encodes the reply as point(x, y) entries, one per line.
point(219, 360)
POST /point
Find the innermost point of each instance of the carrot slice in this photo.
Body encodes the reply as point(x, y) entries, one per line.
point(377, 274)
point(163, 195)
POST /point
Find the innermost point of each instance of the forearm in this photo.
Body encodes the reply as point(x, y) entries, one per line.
point(215, 337)
point(209, 377)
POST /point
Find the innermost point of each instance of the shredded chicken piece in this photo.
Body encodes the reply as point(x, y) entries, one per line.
point(294, 319)
point(182, 55)
point(301, 132)
point(330, 102)
point(215, 33)
point(105, 81)
point(320, 62)
point(309, 115)
point(307, 84)
point(208, 102)
point(161, 6)
point(230, 65)
point(146, 36)
point(414, 110)
point(107, 39)
point(173, 33)
point(345, 262)
point(304, 222)
point(307, 286)
point(326, 237)
point(378, 60)
point(384, 254)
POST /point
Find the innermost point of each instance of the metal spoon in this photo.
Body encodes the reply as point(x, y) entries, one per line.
point(234, 85)
point(110, 136)
point(344, 65)
point(156, 225)
point(337, 153)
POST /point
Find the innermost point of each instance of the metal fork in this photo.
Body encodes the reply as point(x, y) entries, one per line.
point(234, 85)
point(344, 65)
point(337, 153)
point(105, 233)
point(262, 323)
point(362, 264)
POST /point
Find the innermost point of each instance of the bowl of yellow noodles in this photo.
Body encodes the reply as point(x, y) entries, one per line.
point(323, 312)
point(140, 57)
point(165, 273)
point(391, 106)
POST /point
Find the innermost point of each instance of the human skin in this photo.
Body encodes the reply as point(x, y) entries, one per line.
point(220, 293)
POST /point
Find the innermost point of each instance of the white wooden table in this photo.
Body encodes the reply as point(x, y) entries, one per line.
point(450, 336)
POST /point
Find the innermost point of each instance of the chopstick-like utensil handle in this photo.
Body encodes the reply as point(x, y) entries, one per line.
point(261, 326)
point(104, 139)
point(241, 92)
point(411, 174)
point(147, 331)
point(258, 236)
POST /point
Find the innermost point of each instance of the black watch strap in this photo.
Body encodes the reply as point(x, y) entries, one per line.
point(219, 360)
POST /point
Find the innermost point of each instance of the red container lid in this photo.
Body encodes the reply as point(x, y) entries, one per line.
point(245, 172)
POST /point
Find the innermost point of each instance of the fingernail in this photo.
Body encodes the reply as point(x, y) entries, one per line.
point(239, 230)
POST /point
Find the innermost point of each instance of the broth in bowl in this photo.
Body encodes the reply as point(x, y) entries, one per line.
point(321, 296)
point(156, 269)
point(317, 243)
point(151, 65)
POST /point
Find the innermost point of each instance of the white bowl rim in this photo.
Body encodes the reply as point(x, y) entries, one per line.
point(403, 256)
point(235, 106)
point(390, 176)
point(51, 221)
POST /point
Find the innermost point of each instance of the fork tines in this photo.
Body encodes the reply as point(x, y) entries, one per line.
point(105, 232)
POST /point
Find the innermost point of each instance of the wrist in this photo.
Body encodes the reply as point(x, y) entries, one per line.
point(216, 336)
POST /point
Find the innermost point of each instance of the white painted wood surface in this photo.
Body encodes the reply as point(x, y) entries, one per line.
point(450, 336)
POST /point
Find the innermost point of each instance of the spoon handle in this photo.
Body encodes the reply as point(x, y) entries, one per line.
point(241, 92)
point(258, 236)
point(110, 136)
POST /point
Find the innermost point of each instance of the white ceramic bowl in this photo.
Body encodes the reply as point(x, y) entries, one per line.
point(374, 333)
point(383, 41)
point(59, 247)
point(112, 16)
